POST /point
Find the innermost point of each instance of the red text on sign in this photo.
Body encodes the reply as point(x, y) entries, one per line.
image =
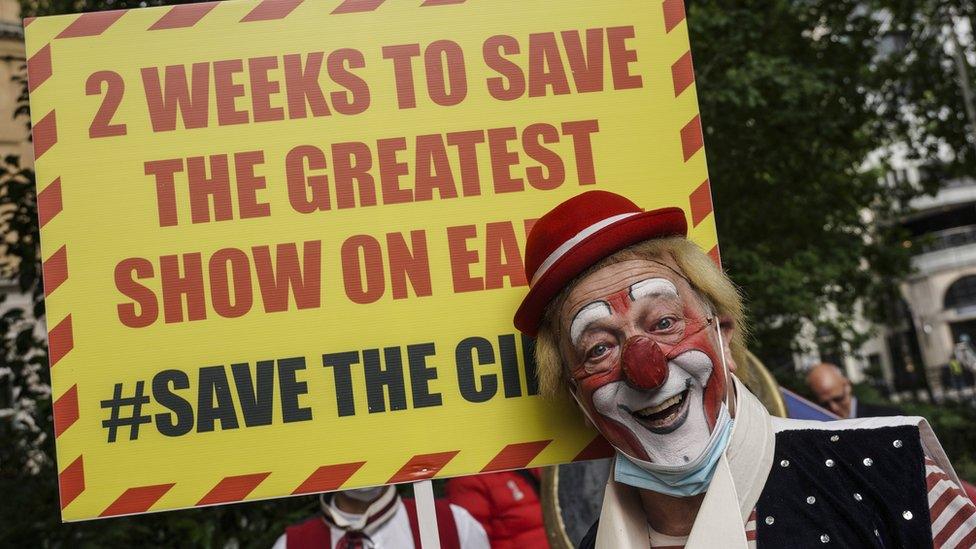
point(446, 78)
point(495, 248)
point(283, 87)
point(185, 287)
point(545, 71)
point(443, 166)
point(364, 266)
point(208, 187)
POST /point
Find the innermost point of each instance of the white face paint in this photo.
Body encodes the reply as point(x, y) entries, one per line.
point(652, 287)
point(681, 442)
point(588, 315)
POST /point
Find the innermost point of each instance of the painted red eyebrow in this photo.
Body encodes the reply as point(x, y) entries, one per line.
point(619, 301)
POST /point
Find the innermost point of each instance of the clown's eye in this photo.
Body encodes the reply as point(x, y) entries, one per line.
point(598, 350)
point(665, 323)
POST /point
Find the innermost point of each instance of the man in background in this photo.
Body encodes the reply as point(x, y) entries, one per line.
point(964, 353)
point(832, 390)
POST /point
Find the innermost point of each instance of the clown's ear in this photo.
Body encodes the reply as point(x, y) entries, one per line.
point(727, 325)
point(727, 328)
point(573, 387)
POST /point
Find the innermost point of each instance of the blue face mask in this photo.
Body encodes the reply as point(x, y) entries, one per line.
point(683, 480)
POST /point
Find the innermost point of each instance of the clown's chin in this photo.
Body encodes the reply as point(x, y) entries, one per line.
point(666, 417)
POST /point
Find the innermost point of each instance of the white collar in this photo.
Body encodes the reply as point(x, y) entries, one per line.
point(731, 496)
point(375, 516)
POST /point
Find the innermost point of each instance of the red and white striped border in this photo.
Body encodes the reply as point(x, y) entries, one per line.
point(692, 139)
point(236, 488)
point(61, 341)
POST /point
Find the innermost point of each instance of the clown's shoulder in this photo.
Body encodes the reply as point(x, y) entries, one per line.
point(850, 483)
point(856, 482)
point(886, 435)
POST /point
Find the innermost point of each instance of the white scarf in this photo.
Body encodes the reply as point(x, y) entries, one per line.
point(376, 515)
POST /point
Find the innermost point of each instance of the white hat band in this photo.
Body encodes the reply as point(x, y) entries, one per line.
point(572, 242)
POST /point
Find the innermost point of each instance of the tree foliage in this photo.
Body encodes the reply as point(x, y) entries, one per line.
point(795, 96)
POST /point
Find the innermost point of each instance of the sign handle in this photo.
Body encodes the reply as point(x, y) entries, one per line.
point(423, 493)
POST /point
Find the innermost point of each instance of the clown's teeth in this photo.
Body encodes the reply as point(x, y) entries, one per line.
point(655, 409)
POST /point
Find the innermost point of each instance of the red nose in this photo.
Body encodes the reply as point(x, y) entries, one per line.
point(644, 364)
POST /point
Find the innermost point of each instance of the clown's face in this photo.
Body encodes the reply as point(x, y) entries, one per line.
point(643, 353)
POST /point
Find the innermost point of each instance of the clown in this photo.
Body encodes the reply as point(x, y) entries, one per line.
point(645, 361)
point(644, 330)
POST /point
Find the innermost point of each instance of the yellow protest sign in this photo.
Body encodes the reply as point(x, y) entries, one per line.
point(283, 239)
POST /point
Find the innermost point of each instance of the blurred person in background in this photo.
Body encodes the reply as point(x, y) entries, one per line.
point(964, 353)
point(956, 379)
point(963, 359)
point(833, 391)
point(507, 505)
point(378, 518)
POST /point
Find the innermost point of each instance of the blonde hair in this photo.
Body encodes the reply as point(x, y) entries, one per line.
point(711, 284)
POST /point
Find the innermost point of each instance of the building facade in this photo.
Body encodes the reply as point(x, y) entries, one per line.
point(937, 308)
point(13, 130)
point(13, 127)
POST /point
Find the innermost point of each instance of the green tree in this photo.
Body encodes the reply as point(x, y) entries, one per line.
point(795, 95)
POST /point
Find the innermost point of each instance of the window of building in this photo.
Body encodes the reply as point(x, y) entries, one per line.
point(961, 294)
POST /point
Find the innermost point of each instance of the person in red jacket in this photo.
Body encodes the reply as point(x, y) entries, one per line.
point(506, 504)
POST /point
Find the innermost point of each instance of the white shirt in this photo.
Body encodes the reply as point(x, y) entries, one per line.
point(396, 534)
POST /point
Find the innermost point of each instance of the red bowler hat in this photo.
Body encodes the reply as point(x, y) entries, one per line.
point(576, 234)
